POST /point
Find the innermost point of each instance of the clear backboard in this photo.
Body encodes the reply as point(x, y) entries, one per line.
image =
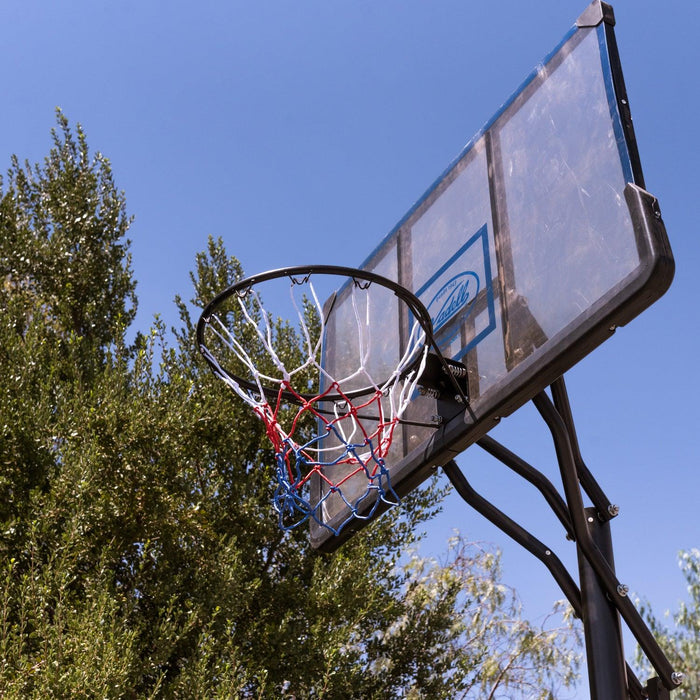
point(528, 251)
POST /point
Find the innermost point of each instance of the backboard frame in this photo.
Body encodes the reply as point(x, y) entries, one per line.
point(526, 377)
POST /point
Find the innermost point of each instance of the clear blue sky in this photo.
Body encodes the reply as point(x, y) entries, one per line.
point(302, 132)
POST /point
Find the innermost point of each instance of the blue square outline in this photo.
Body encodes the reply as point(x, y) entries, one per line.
point(480, 235)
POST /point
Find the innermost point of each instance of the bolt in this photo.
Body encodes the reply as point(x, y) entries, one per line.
point(590, 519)
point(437, 419)
point(613, 510)
point(677, 677)
point(547, 552)
point(623, 590)
point(612, 328)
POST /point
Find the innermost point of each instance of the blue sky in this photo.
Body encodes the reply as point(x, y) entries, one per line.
point(303, 131)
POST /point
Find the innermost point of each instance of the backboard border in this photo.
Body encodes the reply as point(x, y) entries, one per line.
point(622, 303)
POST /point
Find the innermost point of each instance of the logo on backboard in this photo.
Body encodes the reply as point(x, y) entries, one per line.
point(454, 296)
point(462, 303)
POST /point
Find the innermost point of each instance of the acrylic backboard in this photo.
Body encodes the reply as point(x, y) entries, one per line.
point(528, 251)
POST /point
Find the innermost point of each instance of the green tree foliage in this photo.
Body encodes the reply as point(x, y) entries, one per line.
point(681, 641)
point(139, 553)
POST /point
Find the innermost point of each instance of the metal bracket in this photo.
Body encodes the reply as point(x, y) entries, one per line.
point(596, 13)
point(606, 510)
point(601, 592)
point(436, 380)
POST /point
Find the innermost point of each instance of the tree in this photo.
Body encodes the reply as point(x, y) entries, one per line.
point(681, 642)
point(140, 555)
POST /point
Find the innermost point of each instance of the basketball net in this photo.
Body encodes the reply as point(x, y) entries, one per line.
point(352, 435)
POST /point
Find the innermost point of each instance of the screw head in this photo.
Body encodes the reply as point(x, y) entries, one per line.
point(677, 677)
point(613, 510)
point(623, 589)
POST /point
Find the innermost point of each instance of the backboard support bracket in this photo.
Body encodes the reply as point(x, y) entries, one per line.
point(537, 548)
point(602, 599)
point(596, 13)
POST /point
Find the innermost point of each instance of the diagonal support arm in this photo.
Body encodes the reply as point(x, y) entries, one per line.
point(516, 532)
point(522, 536)
point(605, 509)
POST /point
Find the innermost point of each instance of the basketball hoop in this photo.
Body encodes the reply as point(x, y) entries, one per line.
point(323, 425)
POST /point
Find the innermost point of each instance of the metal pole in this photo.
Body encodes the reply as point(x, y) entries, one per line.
point(601, 621)
point(561, 402)
point(657, 691)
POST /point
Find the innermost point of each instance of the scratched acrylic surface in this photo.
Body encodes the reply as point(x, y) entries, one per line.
point(506, 263)
point(524, 236)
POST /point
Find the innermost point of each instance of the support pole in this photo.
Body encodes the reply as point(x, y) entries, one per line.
point(602, 600)
point(601, 621)
point(588, 548)
point(561, 402)
point(657, 691)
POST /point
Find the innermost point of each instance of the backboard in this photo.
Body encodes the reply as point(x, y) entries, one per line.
point(528, 251)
